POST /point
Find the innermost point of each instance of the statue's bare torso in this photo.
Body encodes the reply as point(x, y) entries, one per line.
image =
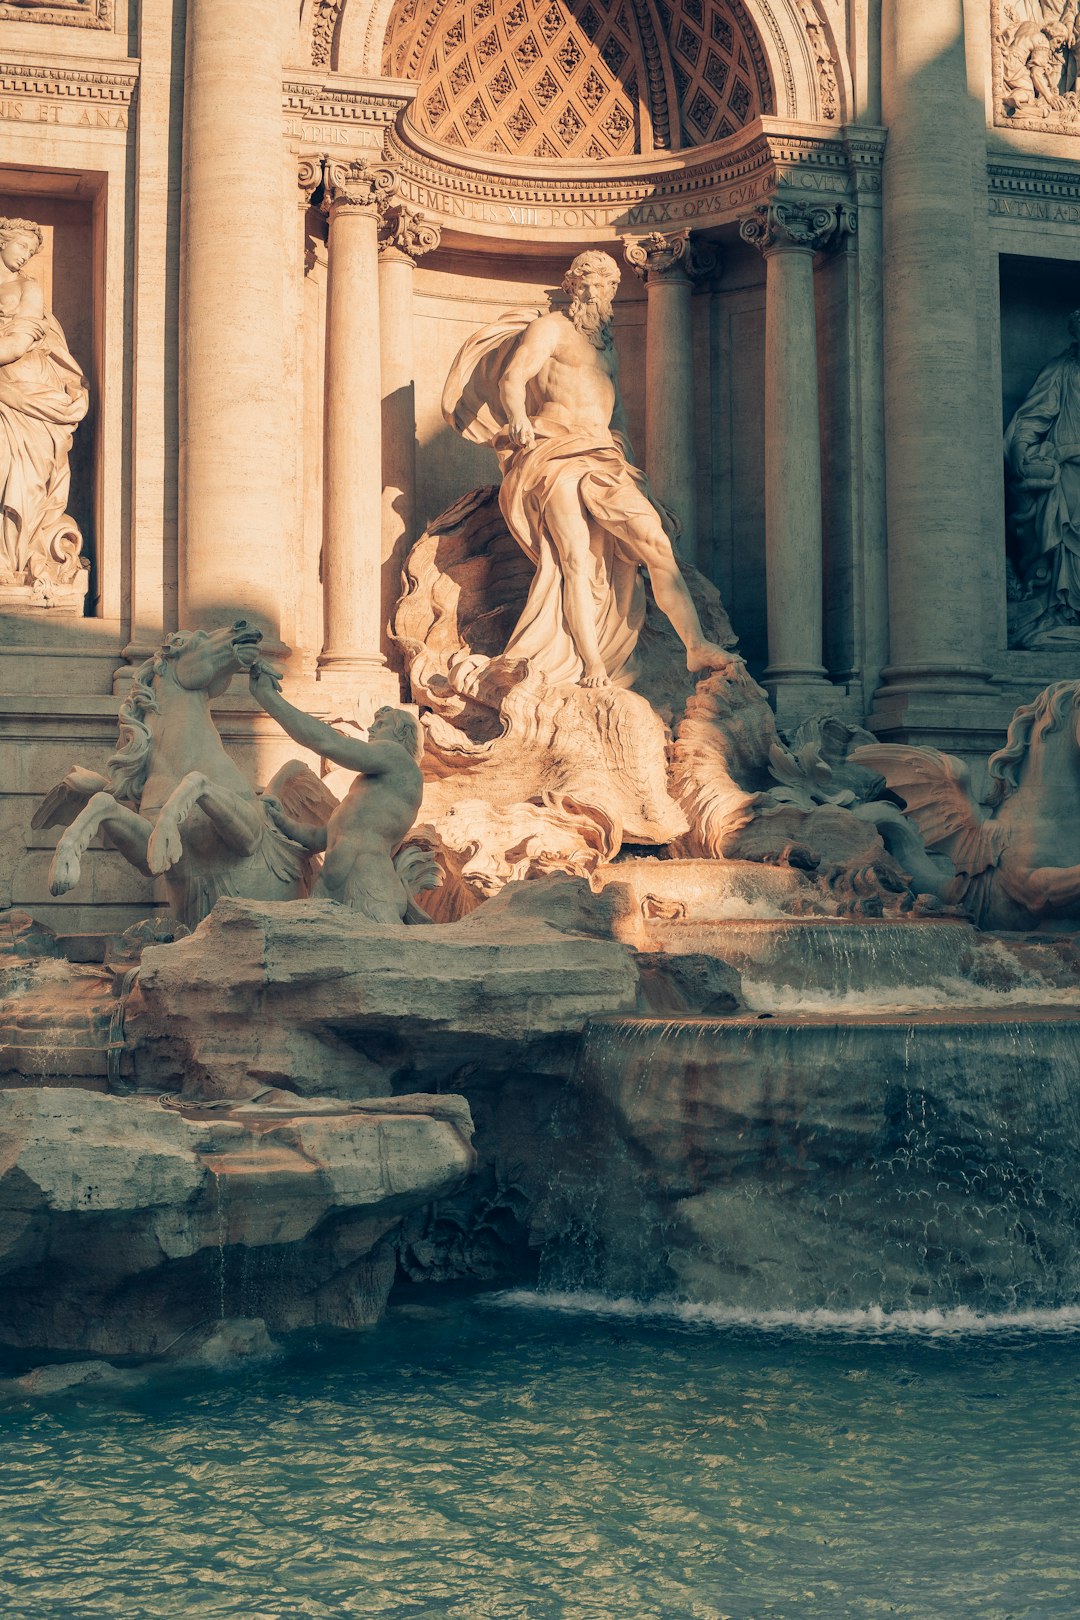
point(577, 381)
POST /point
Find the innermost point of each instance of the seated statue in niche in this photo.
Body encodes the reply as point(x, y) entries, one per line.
point(543, 392)
point(1042, 457)
point(43, 398)
point(364, 864)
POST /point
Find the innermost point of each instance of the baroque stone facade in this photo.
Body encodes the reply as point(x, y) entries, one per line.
point(837, 265)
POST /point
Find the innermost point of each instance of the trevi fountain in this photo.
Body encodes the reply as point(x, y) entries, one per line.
point(539, 808)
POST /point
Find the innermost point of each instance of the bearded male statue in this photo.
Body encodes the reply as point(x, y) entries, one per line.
point(543, 392)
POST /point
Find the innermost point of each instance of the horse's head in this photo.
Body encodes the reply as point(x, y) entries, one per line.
point(207, 660)
point(1054, 716)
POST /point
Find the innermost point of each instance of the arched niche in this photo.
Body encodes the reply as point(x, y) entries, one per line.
point(792, 65)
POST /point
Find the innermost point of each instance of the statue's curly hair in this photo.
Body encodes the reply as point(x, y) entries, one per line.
point(592, 260)
point(404, 728)
point(21, 227)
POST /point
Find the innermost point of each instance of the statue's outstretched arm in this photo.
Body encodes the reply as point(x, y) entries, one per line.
point(369, 759)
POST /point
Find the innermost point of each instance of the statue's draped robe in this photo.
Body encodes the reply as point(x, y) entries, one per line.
point(43, 397)
point(614, 495)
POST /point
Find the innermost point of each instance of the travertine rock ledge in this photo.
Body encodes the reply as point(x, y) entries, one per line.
point(313, 998)
point(127, 1222)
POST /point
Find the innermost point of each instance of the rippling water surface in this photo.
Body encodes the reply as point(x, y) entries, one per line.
point(572, 1459)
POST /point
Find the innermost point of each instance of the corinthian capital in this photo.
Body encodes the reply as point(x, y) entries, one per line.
point(405, 233)
point(780, 227)
point(668, 257)
point(357, 186)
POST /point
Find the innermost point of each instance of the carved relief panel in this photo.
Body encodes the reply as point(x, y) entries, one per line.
point(69, 13)
point(1036, 50)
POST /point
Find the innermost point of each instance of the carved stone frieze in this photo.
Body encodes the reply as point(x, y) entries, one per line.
point(406, 233)
point(663, 194)
point(1036, 65)
point(337, 114)
point(66, 13)
point(794, 226)
point(1031, 191)
point(675, 256)
point(79, 97)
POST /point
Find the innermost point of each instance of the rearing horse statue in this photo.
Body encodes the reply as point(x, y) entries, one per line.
point(1016, 858)
point(170, 769)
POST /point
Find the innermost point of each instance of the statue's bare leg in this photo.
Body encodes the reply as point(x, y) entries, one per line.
point(239, 822)
point(675, 602)
point(126, 830)
point(569, 528)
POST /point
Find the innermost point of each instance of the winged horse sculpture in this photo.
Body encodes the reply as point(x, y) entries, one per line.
point(1017, 856)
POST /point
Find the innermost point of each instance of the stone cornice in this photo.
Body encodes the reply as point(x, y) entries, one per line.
point(708, 185)
point(73, 80)
point(1029, 189)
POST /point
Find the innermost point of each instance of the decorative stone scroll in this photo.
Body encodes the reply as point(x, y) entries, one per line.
point(405, 232)
point(43, 398)
point(1036, 61)
point(784, 227)
point(356, 187)
point(677, 254)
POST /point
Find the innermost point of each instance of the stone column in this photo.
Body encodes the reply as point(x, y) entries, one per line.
point(352, 470)
point(934, 469)
point(232, 508)
point(403, 237)
point(667, 264)
point(788, 235)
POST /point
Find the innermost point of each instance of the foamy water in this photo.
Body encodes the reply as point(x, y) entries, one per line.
point(873, 1322)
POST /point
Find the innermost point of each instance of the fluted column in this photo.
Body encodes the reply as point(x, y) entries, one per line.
point(667, 263)
point(403, 237)
point(935, 470)
point(232, 507)
point(788, 235)
point(352, 502)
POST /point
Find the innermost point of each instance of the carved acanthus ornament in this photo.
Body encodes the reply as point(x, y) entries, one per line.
point(356, 187)
point(674, 256)
point(324, 23)
point(1037, 65)
point(405, 233)
point(781, 227)
point(828, 93)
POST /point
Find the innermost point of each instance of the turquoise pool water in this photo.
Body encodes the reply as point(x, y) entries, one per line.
point(520, 1459)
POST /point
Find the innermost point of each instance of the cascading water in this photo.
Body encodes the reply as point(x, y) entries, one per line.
point(853, 1157)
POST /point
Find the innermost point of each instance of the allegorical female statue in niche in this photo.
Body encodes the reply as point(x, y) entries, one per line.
point(1042, 457)
point(43, 398)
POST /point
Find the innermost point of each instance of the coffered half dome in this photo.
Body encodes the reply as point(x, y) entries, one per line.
point(578, 79)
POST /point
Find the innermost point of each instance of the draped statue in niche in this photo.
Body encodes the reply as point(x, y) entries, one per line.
point(1042, 459)
point(43, 398)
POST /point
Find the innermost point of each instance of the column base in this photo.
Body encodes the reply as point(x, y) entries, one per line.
point(797, 692)
point(953, 707)
point(358, 679)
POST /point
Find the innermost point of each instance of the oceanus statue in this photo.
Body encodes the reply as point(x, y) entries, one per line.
point(1016, 856)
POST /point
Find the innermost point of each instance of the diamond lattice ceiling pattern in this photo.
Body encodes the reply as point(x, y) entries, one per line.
point(578, 79)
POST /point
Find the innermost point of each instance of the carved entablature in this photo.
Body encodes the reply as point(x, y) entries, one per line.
point(76, 97)
point(66, 13)
point(1027, 192)
point(1036, 65)
point(336, 114)
point(577, 203)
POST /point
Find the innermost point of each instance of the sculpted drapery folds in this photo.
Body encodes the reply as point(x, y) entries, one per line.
point(1042, 454)
point(543, 392)
point(43, 397)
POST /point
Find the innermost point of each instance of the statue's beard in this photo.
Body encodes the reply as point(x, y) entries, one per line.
point(592, 320)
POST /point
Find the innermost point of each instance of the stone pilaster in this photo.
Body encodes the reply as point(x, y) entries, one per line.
point(232, 507)
point(934, 467)
point(788, 235)
point(668, 264)
point(403, 237)
point(354, 194)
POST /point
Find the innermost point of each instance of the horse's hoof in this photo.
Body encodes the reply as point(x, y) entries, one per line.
point(64, 872)
point(163, 850)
